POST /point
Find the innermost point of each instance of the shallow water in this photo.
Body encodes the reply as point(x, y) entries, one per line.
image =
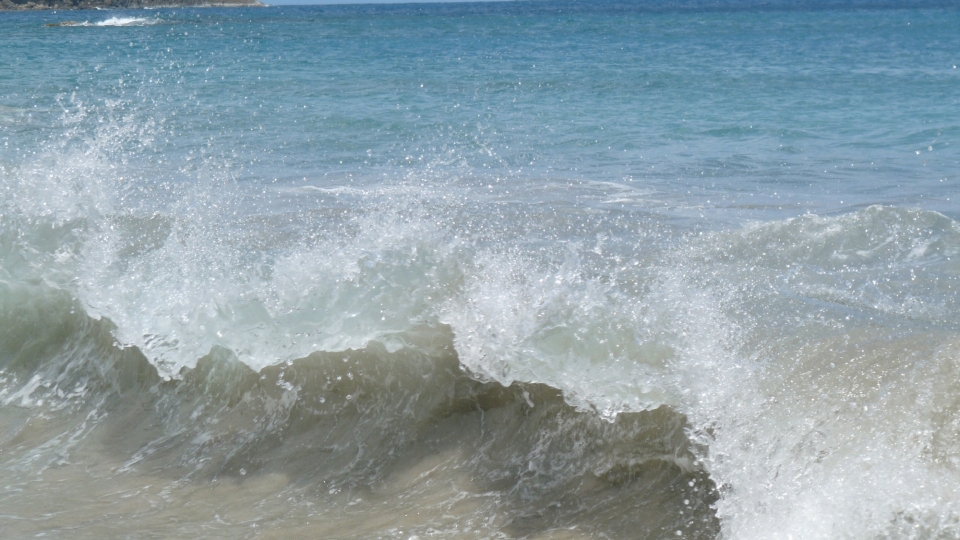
point(520, 270)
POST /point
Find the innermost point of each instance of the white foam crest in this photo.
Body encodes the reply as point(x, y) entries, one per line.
point(180, 277)
point(123, 21)
point(824, 445)
point(521, 319)
point(168, 300)
point(343, 291)
point(72, 178)
point(59, 197)
point(208, 281)
point(816, 423)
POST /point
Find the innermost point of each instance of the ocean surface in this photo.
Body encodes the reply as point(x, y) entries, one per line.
point(545, 270)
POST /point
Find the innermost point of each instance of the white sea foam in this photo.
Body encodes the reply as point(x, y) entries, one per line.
point(117, 21)
point(815, 357)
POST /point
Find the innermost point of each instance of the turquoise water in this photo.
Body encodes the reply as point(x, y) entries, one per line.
point(504, 270)
point(769, 107)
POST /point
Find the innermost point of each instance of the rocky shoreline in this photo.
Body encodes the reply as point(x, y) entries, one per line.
point(30, 5)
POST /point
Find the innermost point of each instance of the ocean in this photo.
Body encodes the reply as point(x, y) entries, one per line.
point(573, 269)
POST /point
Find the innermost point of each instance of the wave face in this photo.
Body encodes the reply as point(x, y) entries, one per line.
point(289, 273)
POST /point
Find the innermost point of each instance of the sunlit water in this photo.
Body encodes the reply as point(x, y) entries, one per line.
point(513, 270)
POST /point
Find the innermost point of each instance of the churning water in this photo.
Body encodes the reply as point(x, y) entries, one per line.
point(558, 270)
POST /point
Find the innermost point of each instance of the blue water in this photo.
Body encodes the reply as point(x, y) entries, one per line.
point(818, 110)
point(741, 213)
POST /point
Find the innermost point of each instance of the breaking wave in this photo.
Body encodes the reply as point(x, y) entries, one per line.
point(363, 356)
point(112, 21)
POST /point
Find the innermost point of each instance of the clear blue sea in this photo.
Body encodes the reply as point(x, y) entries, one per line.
point(546, 270)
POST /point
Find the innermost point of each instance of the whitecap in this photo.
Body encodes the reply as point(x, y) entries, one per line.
point(127, 21)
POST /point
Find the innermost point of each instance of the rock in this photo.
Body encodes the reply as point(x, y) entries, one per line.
point(23, 5)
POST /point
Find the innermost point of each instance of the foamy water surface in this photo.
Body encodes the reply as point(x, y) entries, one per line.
point(521, 270)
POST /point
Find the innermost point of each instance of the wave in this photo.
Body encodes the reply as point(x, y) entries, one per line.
point(503, 366)
point(348, 431)
point(126, 21)
point(112, 21)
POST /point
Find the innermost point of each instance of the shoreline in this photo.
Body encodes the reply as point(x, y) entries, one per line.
point(68, 5)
